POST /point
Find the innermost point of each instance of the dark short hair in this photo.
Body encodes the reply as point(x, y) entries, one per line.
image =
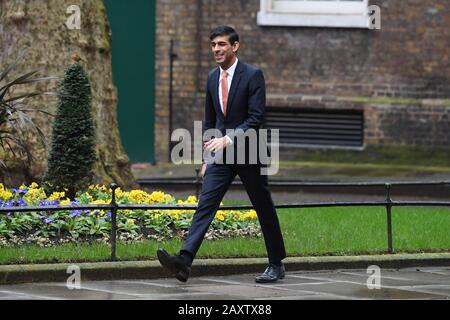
point(225, 31)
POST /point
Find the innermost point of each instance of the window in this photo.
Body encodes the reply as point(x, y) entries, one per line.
point(314, 13)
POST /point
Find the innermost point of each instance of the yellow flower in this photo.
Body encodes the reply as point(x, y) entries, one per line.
point(131, 221)
point(65, 202)
point(250, 215)
point(34, 195)
point(220, 216)
point(157, 196)
point(138, 196)
point(235, 214)
point(119, 193)
point(5, 194)
point(34, 185)
point(100, 202)
point(191, 200)
point(56, 195)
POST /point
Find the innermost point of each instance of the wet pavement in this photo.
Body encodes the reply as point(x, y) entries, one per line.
point(424, 283)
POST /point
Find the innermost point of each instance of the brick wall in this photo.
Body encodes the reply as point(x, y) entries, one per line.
point(412, 125)
point(409, 58)
point(177, 20)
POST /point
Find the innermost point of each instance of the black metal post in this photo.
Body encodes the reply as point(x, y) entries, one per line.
point(389, 217)
point(113, 221)
point(172, 57)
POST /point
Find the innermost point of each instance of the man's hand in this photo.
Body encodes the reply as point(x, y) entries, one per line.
point(216, 144)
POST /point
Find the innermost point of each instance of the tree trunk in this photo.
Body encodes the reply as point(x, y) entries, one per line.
point(40, 27)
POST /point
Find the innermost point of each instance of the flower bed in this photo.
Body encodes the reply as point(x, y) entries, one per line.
point(48, 228)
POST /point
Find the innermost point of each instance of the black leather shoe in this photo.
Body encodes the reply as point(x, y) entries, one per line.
point(271, 274)
point(176, 265)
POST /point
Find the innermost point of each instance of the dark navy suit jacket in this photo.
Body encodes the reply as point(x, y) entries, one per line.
point(245, 108)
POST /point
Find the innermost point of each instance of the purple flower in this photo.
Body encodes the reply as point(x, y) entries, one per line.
point(96, 213)
point(44, 203)
point(75, 213)
point(20, 202)
point(108, 215)
point(48, 220)
point(8, 204)
point(20, 191)
point(14, 203)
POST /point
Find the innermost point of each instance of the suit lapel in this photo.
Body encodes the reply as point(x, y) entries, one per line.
point(216, 90)
point(234, 85)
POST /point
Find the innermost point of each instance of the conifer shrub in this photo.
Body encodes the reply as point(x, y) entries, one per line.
point(72, 153)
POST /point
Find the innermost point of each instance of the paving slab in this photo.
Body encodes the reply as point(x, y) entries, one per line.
point(402, 284)
point(120, 270)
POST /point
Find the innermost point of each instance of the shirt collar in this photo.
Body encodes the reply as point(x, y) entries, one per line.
point(230, 70)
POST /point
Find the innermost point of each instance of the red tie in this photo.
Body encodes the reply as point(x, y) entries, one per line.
point(224, 92)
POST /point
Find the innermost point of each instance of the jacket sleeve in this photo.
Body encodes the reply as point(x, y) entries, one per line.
point(210, 112)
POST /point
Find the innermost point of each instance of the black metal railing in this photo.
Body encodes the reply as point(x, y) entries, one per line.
point(388, 203)
point(196, 183)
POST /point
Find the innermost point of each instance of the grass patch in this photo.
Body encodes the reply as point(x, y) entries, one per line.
point(307, 232)
point(359, 230)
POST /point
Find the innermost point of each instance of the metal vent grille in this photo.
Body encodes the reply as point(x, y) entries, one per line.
point(298, 127)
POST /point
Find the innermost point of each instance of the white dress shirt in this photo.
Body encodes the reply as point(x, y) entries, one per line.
point(230, 72)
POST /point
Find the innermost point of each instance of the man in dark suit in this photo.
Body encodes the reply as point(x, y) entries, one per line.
point(235, 99)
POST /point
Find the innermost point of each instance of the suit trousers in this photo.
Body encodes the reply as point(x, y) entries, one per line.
point(216, 182)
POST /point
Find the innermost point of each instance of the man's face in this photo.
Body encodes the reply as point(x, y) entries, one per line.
point(224, 52)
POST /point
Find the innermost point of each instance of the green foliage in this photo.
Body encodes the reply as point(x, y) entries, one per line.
point(72, 155)
point(76, 225)
point(14, 109)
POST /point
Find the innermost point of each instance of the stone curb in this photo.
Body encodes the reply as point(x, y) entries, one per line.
point(13, 274)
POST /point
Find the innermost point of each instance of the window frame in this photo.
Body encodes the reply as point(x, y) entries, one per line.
point(346, 14)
